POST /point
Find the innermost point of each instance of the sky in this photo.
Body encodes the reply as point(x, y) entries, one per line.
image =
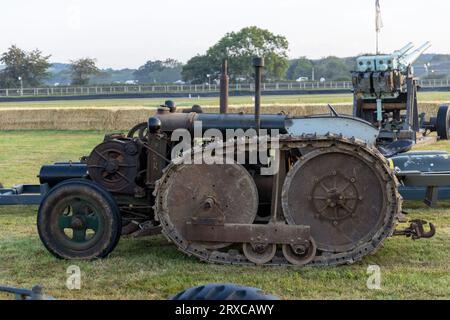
point(122, 34)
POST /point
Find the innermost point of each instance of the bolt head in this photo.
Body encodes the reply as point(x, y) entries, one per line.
point(77, 223)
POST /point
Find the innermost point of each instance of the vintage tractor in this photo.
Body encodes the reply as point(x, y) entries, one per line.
point(265, 189)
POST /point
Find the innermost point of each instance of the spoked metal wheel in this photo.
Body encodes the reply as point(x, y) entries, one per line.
point(112, 163)
point(139, 131)
point(347, 195)
point(79, 220)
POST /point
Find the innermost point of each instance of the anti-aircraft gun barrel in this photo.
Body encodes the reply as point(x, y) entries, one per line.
point(413, 56)
point(404, 50)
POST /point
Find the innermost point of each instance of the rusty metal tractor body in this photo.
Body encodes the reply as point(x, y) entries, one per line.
point(331, 199)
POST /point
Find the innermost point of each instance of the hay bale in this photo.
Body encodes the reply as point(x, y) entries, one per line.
point(123, 118)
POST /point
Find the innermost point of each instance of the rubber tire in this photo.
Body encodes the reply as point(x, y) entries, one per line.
point(113, 227)
point(442, 123)
point(217, 291)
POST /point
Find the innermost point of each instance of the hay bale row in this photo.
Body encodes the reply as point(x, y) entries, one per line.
point(124, 118)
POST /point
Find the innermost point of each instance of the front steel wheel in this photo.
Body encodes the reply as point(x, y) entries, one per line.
point(79, 220)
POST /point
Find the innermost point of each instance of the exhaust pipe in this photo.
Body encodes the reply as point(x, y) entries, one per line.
point(224, 84)
point(258, 63)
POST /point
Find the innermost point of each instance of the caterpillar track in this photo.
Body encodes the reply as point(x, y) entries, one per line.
point(341, 190)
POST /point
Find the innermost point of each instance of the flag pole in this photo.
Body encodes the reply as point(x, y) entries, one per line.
point(378, 24)
point(377, 47)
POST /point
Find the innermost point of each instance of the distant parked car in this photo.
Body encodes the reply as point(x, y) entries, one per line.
point(131, 82)
point(302, 79)
point(180, 82)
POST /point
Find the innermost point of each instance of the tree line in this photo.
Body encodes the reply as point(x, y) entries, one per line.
point(31, 68)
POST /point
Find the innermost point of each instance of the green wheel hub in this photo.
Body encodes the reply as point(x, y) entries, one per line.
point(79, 222)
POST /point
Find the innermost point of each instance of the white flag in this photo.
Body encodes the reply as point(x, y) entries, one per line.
point(378, 20)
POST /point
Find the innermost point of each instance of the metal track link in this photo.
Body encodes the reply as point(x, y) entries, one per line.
point(233, 256)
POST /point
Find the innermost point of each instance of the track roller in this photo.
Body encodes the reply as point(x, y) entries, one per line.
point(259, 253)
point(300, 255)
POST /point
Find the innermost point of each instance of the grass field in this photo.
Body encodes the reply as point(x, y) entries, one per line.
point(152, 268)
point(294, 99)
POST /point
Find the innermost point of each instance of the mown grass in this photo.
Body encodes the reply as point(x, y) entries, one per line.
point(152, 268)
point(154, 102)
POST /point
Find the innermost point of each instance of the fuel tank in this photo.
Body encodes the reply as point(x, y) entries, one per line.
point(59, 172)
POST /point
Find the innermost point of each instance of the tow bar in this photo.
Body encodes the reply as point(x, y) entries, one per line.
point(416, 230)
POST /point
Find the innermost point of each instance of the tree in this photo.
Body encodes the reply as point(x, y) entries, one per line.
point(438, 58)
point(333, 68)
point(197, 69)
point(82, 70)
point(240, 48)
point(301, 67)
point(31, 67)
point(166, 71)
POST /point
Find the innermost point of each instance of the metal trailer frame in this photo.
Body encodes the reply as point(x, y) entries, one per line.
point(36, 293)
point(427, 186)
point(25, 194)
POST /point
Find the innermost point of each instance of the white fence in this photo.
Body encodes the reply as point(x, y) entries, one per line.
point(191, 89)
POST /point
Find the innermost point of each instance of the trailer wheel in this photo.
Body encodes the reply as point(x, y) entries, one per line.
point(442, 123)
point(78, 219)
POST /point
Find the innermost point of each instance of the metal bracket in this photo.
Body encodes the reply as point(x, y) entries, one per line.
point(209, 213)
point(431, 196)
point(272, 233)
point(333, 111)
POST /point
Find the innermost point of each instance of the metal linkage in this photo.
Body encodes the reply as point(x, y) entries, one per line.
point(417, 231)
point(35, 293)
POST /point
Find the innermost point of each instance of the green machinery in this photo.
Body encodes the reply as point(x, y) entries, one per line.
point(385, 94)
